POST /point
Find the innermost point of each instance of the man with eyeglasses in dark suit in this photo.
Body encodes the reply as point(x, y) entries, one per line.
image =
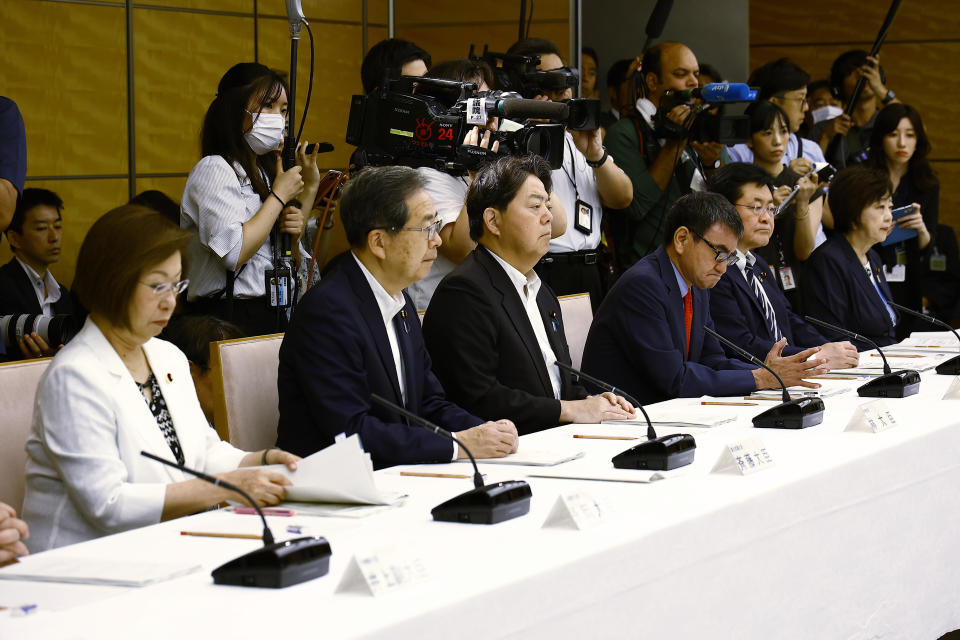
point(648, 337)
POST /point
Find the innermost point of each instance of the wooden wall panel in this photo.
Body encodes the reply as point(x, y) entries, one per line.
point(178, 60)
point(64, 65)
point(173, 187)
point(446, 12)
point(923, 41)
point(448, 42)
point(84, 201)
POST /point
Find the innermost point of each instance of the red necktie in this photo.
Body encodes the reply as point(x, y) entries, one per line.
point(688, 317)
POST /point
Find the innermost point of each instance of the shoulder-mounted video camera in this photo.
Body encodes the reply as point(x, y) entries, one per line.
point(709, 124)
point(421, 122)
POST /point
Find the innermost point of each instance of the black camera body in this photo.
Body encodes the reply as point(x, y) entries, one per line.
point(709, 124)
point(520, 74)
point(421, 122)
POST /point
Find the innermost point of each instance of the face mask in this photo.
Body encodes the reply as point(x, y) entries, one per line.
point(267, 132)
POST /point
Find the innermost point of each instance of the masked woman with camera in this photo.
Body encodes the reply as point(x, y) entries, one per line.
point(899, 146)
point(115, 390)
point(798, 229)
point(236, 195)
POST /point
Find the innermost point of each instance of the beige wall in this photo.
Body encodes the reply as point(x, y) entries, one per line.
point(919, 56)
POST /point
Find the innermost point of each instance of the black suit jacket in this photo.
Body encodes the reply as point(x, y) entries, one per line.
point(739, 316)
point(837, 290)
point(335, 353)
point(18, 296)
point(484, 349)
point(638, 339)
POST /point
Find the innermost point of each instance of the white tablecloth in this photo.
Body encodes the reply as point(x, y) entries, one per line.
point(848, 535)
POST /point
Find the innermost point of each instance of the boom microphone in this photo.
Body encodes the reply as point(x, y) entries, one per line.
point(725, 92)
point(521, 109)
point(657, 21)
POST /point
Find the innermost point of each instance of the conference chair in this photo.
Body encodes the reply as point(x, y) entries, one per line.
point(577, 317)
point(245, 385)
point(18, 387)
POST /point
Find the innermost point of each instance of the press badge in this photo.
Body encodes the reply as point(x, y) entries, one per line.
point(476, 114)
point(786, 278)
point(897, 273)
point(584, 220)
point(938, 261)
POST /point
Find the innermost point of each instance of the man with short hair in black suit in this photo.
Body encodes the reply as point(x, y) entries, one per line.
point(26, 284)
point(357, 333)
point(493, 328)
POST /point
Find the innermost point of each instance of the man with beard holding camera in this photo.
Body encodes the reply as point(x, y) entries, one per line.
point(26, 284)
point(588, 180)
point(661, 170)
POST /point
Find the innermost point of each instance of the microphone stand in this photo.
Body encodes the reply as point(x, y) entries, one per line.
point(952, 366)
point(275, 564)
point(899, 384)
point(657, 453)
point(798, 413)
point(484, 504)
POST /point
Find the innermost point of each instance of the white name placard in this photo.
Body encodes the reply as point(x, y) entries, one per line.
point(575, 510)
point(382, 571)
point(744, 457)
point(872, 417)
point(953, 391)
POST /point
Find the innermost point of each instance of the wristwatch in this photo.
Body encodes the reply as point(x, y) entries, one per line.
point(599, 163)
point(887, 99)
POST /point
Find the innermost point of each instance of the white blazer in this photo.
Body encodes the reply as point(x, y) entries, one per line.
point(85, 475)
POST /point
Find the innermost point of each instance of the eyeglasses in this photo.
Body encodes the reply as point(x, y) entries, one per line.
point(722, 256)
point(163, 288)
point(800, 99)
point(432, 230)
point(759, 210)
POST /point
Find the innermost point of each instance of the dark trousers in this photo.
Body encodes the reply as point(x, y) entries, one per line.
point(569, 273)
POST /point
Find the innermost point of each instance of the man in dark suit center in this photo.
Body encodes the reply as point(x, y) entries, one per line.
point(357, 333)
point(648, 337)
point(26, 284)
point(493, 328)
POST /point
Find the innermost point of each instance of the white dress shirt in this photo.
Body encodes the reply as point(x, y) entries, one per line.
point(576, 170)
point(46, 288)
point(527, 287)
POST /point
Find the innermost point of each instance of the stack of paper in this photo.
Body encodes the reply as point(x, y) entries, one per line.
point(533, 458)
point(58, 568)
point(872, 364)
point(681, 412)
point(341, 473)
point(930, 342)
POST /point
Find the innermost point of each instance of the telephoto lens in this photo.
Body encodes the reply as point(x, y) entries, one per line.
point(55, 330)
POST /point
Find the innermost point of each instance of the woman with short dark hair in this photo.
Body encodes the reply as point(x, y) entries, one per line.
point(115, 390)
point(843, 279)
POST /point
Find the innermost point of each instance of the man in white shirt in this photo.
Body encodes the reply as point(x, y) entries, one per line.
point(26, 284)
point(357, 333)
point(588, 181)
point(493, 328)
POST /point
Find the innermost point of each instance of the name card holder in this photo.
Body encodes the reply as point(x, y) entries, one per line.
point(575, 510)
point(382, 571)
point(953, 391)
point(744, 457)
point(871, 417)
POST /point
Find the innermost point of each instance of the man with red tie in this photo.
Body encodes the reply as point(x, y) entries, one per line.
point(648, 337)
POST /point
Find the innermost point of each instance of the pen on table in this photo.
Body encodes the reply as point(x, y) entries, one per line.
point(209, 534)
point(731, 404)
point(900, 355)
point(421, 474)
point(832, 378)
point(603, 437)
point(267, 512)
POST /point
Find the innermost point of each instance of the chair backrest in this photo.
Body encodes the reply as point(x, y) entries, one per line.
point(18, 387)
point(245, 384)
point(577, 317)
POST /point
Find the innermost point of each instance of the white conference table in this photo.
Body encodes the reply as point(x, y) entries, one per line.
point(848, 535)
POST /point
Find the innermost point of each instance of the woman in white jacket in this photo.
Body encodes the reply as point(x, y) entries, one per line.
point(115, 390)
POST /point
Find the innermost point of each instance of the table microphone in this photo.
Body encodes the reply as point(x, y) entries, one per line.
point(657, 453)
point(484, 504)
point(952, 366)
point(276, 564)
point(798, 413)
point(898, 384)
